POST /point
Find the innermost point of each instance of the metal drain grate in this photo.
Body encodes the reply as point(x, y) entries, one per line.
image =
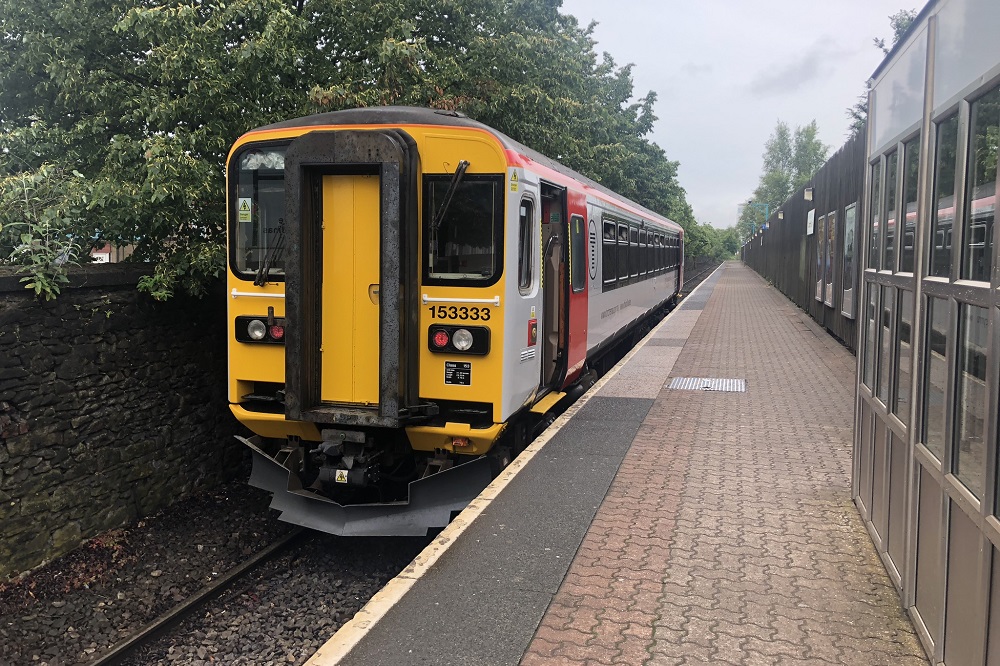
point(708, 384)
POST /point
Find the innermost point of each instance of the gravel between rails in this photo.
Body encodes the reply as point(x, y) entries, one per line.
point(76, 607)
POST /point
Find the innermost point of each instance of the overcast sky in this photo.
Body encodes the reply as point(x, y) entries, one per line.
point(725, 72)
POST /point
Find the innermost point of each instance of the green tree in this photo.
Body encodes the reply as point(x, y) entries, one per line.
point(790, 159)
point(145, 99)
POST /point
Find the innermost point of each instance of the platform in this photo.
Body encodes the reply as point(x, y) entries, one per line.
point(658, 525)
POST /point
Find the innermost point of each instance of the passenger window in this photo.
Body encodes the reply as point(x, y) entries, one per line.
point(623, 260)
point(643, 253)
point(633, 256)
point(525, 246)
point(610, 253)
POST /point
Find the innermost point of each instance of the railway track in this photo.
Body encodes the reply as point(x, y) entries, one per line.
point(128, 647)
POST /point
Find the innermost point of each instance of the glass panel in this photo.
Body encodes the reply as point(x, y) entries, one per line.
point(874, 228)
point(943, 210)
point(608, 264)
point(936, 375)
point(885, 344)
point(622, 251)
point(901, 401)
point(578, 258)
point(981, 187)
point(911, 168)
point(524, 246)
point(633, 255)
point(870, 335)
point(889, 258)
point(643, 253)
point(970, 431)
point(259, 215)
point(462, 244)
point(850, 221)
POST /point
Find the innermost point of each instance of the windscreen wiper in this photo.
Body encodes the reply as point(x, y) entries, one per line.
point(272, 254)
point(456, 178)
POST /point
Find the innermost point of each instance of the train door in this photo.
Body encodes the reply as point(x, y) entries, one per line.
point(349, 351)
point(554, 320)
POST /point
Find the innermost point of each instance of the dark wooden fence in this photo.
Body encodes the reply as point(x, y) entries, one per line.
point(786, 252)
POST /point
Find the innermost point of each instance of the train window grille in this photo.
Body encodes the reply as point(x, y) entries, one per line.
point(609, 252)
point(525, 236)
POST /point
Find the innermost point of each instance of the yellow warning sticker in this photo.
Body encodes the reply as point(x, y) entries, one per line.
point(513, 181)
point(341, 476)
point(244, 209)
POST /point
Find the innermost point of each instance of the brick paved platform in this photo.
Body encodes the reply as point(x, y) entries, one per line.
point(664, 526)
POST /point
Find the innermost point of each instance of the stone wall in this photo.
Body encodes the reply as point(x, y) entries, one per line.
point(112, 406)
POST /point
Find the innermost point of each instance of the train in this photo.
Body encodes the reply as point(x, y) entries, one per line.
point(412, 295)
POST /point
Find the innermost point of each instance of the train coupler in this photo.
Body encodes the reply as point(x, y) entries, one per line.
point(430, 503)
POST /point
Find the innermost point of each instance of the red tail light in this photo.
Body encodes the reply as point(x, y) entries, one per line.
point(441, 339)
point(277, 332)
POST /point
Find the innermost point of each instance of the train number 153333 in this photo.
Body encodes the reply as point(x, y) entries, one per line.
point(462, 313)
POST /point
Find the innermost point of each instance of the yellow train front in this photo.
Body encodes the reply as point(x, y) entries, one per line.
point(390, 347)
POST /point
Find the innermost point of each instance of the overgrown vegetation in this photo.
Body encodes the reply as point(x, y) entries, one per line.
point(118, 114)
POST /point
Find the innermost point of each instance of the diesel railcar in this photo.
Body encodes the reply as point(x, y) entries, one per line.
point(411, 294)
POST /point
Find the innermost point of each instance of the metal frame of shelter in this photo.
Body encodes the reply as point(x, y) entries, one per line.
point(926, 450)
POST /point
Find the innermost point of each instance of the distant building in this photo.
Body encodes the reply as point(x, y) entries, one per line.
point(111, 254)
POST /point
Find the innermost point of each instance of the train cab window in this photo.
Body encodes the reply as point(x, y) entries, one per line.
point(623, 254)
point(525, 245)
point(578, 249)
point(943, 207)
point(981, 181)
point(609, 255)
point(633, 253)
point(258, 212)
point(908, 223)
point(889, 257)
point(463, 235)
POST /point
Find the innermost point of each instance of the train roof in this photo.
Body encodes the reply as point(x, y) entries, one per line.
point(411, 115)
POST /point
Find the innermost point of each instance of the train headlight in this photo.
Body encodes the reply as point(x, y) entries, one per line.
point(462, 339)
point(256, 329)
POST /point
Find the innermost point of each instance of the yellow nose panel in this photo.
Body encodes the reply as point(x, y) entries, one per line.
point(350, 318)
